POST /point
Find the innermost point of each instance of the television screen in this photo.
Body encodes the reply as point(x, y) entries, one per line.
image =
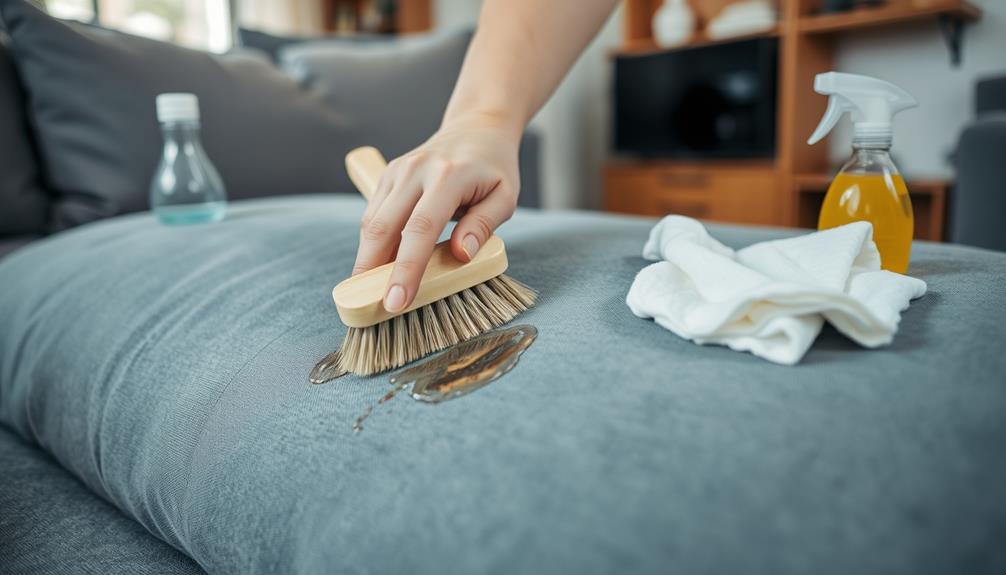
point(715, 101)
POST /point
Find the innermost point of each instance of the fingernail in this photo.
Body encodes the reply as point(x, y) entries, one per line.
point(395, 299)
point(471, 245)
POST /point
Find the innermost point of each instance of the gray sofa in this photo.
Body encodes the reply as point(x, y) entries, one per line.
point(157, 417)
point(979, 200)
point(80, 140)
point(166, 369)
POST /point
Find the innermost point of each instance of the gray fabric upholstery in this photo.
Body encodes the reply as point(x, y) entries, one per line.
point(167, 368)
point(92, 100)
point(23, 201)
point(10, 243)
point(398, 91)
point(50, 524)
point(990, 95)
point(529, 157)
point(385, 84)
point(272, 44)
point(978, 202)
point(979, 198)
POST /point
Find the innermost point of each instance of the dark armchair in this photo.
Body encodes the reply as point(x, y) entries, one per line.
point(979, 209)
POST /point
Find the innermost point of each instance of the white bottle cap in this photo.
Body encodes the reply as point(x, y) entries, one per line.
point(177, 107)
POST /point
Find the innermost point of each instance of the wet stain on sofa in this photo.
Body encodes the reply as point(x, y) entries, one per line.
point(460, 370)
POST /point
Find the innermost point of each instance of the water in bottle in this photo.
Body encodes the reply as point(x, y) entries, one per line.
point(186, 188)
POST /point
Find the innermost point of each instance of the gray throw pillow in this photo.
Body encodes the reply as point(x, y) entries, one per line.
point(398, 90)
point(23, 201)
point(272, 44)
point(92, 97)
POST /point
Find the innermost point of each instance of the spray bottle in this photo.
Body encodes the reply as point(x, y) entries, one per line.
point(868, 187)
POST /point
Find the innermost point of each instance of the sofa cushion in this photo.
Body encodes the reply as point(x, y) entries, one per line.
point(978, 202)
point(50, 523)
point(92, 97)
point(167, 368)
point(10, 243)
point(397, 89)
point(24, 202)
point(271, 44)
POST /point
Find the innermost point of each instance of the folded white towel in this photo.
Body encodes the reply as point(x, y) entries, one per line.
point(770, 298)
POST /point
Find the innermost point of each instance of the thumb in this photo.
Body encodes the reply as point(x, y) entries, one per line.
point(478, 223)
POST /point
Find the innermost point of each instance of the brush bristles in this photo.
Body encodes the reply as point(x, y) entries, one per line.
point(441, 324)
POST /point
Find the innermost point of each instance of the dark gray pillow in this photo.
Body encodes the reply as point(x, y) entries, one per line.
point(92, 97)
point(23, 201)
point(398, 90)
point(271, 44)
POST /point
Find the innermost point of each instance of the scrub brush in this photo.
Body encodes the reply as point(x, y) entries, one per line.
point(455, 301)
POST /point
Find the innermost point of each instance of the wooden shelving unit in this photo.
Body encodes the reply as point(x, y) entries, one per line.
point(788, 189)
point(892, 13)
point(409, 16)
point(648, 46)
point(929, 203)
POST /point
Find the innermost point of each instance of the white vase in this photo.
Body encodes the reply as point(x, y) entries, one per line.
point(746, 17)
point(673, 23)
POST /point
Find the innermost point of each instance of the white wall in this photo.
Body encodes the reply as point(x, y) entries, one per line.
point(574, 124)
point(916, 58)
point(456, 13)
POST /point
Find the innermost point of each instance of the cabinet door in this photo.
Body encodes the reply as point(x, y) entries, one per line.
point(720, 194)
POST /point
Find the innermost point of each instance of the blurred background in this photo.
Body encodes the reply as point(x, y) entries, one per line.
point(938, 50)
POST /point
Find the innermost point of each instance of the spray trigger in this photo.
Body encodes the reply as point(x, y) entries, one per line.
point(871, 102)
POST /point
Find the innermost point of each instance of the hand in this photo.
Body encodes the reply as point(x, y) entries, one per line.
point(467, 171)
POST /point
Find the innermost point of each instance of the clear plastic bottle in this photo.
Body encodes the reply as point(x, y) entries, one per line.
point(186, 188)
point(869, 188)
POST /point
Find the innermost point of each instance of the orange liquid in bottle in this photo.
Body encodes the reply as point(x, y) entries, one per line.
point(881, 199)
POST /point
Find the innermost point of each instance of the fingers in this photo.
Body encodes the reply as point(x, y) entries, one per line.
point(384, 186)
point(380, 232)
point(479, 222)
point(419, 237)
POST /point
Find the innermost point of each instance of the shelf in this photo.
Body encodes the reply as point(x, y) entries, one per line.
point(408, 17)
point(889, 14)
point(818, 183)
point(691, 164)
point(795, 181)
point(640, 47)
point(929, 201)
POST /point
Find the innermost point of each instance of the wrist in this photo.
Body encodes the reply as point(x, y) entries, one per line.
point(498, 121)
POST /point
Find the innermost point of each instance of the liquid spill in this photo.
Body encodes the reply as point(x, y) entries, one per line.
point(460, 370)
point(327, 369)
point(358, 424)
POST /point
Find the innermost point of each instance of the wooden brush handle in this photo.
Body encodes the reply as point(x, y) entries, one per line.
point(365, 166)
point(359, 299)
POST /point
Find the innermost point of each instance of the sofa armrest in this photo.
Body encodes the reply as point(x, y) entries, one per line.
point(978, 203)
point(10, 243)
point(530, 170)
point(990, 95)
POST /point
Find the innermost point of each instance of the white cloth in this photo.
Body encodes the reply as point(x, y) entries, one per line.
point(770, 298)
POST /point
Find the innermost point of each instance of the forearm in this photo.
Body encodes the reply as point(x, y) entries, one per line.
point(521, 51)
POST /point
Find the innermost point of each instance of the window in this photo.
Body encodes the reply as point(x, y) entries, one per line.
point(203, 24)
point(82, 10)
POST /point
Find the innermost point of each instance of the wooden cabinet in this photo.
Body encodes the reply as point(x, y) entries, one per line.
point(929, 204)
point(739, 193)
point(788, 189)
point(399, 17)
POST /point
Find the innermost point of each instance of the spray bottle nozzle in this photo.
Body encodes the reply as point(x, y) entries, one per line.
point(872, 103)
